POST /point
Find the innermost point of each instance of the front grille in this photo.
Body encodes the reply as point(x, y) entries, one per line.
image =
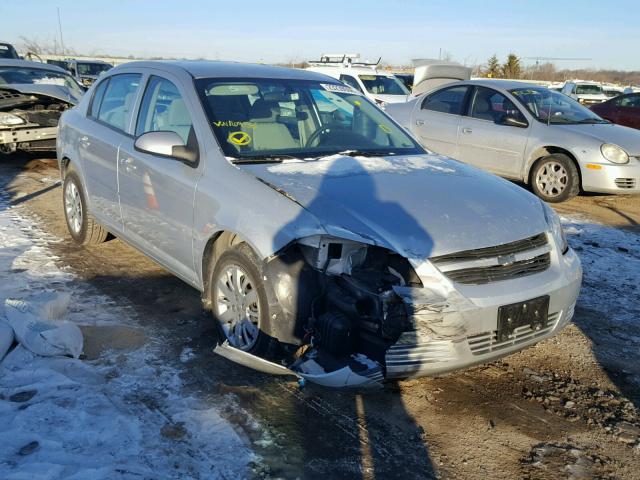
point(481, 275)
point(625, 182)
point(494, 264)
point(484, 343)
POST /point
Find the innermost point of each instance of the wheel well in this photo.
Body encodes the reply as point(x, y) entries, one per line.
point(64, 166)
point(550, 150)
point(216, 245)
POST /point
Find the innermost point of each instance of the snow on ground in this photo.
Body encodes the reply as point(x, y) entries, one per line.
point(120, 415)
point(611, 262)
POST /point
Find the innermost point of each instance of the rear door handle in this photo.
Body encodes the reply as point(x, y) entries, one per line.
point(127, 163)
point(419, 122)
point(467, 130)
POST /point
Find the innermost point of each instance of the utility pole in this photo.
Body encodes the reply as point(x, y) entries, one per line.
point(60, 28)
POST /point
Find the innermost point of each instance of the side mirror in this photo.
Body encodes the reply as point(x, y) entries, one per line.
point(166, 144)
point(512, 121)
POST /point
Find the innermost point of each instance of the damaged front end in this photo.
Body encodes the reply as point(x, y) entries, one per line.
point(29, 122)
point(337, 307)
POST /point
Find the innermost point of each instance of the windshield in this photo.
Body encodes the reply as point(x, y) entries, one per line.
point(553, 107)
point(383, 85)
point(9, 75)
point(588, 90)
point(272, 119)
point(92, 68)
point(7, 51)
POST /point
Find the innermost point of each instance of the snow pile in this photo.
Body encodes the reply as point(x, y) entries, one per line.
point(123, 415)
point(611, 262)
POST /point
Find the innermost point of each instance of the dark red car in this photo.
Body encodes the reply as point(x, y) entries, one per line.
point(623, 110)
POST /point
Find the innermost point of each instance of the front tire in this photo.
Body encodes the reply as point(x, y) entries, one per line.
point(239, 300)
point(80, 223)
point(555, 178)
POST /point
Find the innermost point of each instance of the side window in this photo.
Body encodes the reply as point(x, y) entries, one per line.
point(118, 99)
point(493, 106)
point(449, 100)
point(98, 93)
point(163, 110)
point(628, 101)
point(352, 82)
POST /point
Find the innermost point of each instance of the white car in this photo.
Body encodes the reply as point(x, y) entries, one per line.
point(379, 86)
point(587, 93)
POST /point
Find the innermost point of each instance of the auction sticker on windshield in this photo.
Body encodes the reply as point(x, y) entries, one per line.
point(240, 138)
point(332, 87)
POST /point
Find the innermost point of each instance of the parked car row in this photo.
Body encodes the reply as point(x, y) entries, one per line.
point(325, 240)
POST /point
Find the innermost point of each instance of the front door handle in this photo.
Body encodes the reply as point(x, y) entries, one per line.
point(420, 122)
point(467, 130)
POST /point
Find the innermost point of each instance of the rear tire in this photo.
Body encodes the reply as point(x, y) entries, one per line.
point(239, 301)
point(555, 178)
point(81, 225)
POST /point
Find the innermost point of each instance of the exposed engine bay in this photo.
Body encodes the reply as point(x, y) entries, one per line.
point(336, 311)
point(29, 122)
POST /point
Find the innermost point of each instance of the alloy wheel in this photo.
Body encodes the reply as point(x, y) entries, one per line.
point(238, 308)
point(73, 207)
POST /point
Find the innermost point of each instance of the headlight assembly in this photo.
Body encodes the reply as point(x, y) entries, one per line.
point(9, 119)
point(614, 153)
point(555, 227)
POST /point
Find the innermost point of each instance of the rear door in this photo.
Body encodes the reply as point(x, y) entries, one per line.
point(486, 141)
point(435, 119)
point(157, 192)
point(99, 144)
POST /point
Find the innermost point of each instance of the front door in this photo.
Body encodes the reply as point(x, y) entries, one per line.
point(486, 141)
point(157, 192)
point(436, 119)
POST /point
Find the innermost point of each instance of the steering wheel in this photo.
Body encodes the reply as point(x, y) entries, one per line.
point(316, 134)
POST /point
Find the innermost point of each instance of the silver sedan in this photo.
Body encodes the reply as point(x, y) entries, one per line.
point(320, 233)
point(528, 133)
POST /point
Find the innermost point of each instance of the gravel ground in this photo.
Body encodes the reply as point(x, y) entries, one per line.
point(565, 408)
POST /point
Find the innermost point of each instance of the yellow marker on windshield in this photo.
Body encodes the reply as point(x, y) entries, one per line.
point(239, 138)
point(384, 128)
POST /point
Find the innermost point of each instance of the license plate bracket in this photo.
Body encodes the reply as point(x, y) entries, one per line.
point(534, 312)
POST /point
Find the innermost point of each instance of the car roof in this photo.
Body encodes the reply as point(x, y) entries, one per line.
point(503, 84)
point(213, 69)
point(9, 62)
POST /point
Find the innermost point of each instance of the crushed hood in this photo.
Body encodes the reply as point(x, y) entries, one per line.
point(419, 206)
point(59, 92)
point(625, 137)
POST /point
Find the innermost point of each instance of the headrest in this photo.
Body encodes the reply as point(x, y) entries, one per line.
point(178, 113)
point(264, 110)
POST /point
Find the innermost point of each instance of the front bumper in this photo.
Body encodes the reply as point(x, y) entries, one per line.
point(421, 353)
point(27, 134)
point(605, 177)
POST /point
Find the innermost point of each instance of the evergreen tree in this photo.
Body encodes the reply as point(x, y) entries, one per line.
point(493, 69)
point(511, 68)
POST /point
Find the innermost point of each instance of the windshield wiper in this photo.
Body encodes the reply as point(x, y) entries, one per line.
point(266, 158)
point(363, 153)
point(592, 121)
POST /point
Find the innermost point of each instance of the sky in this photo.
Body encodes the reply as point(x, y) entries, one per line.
point(284, 31)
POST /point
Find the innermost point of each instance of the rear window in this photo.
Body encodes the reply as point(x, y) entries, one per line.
point(449, 100)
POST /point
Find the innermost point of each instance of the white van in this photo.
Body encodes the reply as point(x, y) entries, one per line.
point(377, 85)
point(587, 93)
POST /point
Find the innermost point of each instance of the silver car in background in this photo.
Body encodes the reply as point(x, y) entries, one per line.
point(319, 232)
point(528, 133)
